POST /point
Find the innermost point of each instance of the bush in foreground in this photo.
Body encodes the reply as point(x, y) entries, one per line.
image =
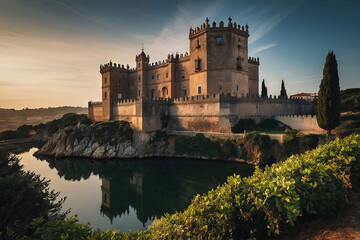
point(263, 205)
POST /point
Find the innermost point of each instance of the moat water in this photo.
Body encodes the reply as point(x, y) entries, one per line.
point(129, 194)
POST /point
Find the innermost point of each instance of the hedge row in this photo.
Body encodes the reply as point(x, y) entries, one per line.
point(263, 205)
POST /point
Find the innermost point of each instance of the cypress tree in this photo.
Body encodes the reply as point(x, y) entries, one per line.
point(328, 102)
point(263, 89)
point(283, 90)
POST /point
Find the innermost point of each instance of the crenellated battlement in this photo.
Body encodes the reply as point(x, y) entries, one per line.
point(242, 30)
point(254, 61)
point(214, 97)
point(143, 99)
point(111, 65)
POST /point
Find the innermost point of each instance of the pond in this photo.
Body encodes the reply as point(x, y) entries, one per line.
point(129, 194)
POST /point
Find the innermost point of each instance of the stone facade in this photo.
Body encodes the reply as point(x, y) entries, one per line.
point(218, 63)
point(208, 90)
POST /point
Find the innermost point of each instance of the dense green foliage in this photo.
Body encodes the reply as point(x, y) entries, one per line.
point(350, 100)
point(328, 102)
point(108, 132)
point(261, 206)
point(267, 125)
point(24, 196)
point(293, 143)
point(263, 90)
point(20, 132)
point(199, 145)
point(68, 120)
point(347, 127)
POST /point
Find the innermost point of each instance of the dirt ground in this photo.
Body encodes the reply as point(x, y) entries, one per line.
point(345, 226)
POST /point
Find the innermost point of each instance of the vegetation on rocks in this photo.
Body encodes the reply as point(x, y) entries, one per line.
point(104, 132)
point(264, 205)
point(255, 148)
point(267, 125)
point(350, 100)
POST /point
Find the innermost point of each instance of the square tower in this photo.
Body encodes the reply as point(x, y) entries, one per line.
point(219, 59)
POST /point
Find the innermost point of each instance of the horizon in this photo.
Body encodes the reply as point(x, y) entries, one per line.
point(52, 50)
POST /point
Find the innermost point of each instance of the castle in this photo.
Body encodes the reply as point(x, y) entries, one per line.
point(208, 89)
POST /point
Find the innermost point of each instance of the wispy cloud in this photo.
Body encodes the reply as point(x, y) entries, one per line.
point(263, 48)
point(349, 55)
point(174, 35)
point(87, 16)
point(274, 13)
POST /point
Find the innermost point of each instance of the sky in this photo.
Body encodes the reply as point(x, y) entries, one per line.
point(51, 50)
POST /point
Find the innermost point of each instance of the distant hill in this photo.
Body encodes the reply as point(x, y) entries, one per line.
point(350, 100)
point(11, 119)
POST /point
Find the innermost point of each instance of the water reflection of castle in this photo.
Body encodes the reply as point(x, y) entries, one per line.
point(151, 187)
point(147, 197)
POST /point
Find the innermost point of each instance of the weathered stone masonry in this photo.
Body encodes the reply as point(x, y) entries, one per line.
point(208, 90)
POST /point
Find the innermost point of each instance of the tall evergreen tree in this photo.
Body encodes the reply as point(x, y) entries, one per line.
point(328, 102)
point(263, 89)
point(283, 90)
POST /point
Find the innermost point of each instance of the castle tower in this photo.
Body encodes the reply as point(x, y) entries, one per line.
point(115, 85)
point(142, 62)
point(219, 58)
point(106, 91)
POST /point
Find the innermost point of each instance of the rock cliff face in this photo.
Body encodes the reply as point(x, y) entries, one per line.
point(117, 140)
point(82, 141)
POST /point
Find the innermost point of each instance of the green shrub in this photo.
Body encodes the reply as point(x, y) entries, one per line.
point(159, 136)
point(20, 132)
point(244, 124)
point(267, 125)
point(270, 123)
point(256, 139)
point(106, 132)
point(264, 204)
point(24, 196)
point(196, 146)
point(348, 127)
point(261, 206)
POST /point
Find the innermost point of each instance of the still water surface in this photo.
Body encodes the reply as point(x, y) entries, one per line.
point(128, 194)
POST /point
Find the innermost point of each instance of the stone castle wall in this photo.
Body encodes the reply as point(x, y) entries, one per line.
point(143, 114)
point(95, 111)
point(206, 113)
point(218, 113)
point(300, 122)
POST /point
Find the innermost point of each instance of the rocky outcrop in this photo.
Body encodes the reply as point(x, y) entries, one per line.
point(117, 140)
point(81, 141)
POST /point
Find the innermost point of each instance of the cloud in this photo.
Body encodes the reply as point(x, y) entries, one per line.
point(174, 35)
point(263, 48)
point(86, 16)
point(274, 17)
